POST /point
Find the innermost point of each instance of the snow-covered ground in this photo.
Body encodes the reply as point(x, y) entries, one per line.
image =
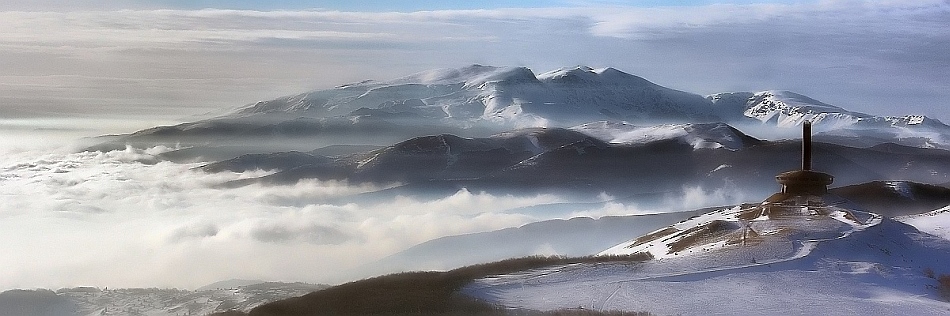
point(936, 222)
point(866, 265)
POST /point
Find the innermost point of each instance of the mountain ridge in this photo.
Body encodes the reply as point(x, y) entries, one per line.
point(662, 159)
point(478, 101)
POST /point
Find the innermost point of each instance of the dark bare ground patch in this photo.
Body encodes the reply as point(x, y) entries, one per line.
point(653, 236)
point(693, 235)
point(425, 293)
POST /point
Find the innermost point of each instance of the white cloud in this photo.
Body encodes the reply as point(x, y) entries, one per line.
point(847, 16)
point(108, 219)
point(688, 198)
point(613, 209)
point(694, 197)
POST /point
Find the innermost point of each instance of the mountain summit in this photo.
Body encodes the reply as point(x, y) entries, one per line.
point(785, 226)
point(515, 94)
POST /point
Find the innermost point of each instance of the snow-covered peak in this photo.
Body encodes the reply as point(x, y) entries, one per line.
point(583, 74)
point(791, 99)
point(708, 135)
point(790, 109)
point(471, 76)
point(911, 121)
point(569, 73)
point(786, 109)
point(582, 94)
point(447, 75)
point(515, 75)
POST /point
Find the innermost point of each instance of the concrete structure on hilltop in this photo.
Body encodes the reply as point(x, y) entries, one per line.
point(804, 182)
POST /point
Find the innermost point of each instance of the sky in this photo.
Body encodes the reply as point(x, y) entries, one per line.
point(362, 5)
point(89, 67)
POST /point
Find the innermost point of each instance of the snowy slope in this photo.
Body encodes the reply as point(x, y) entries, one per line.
point(823, 260)
point(752, 233)
point(371, 94)
point(936, 222)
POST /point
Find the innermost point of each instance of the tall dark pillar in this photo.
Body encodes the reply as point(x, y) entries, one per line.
point(806, 145)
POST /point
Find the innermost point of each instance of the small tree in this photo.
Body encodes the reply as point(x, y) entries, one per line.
point(944, 287)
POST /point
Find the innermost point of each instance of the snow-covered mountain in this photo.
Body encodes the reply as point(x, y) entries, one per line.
point(788, 109)
point(785, 108)
point(510, 95)
point(516, 97)
point(590, 159)
point(477, 101)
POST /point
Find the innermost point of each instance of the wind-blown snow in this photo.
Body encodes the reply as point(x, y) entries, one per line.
point(936, 222)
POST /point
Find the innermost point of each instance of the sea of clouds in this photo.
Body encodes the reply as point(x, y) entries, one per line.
point(123, 218)
point(128, 219)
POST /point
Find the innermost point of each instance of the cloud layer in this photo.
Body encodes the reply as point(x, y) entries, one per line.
point(120, 219)
point(125, 219)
